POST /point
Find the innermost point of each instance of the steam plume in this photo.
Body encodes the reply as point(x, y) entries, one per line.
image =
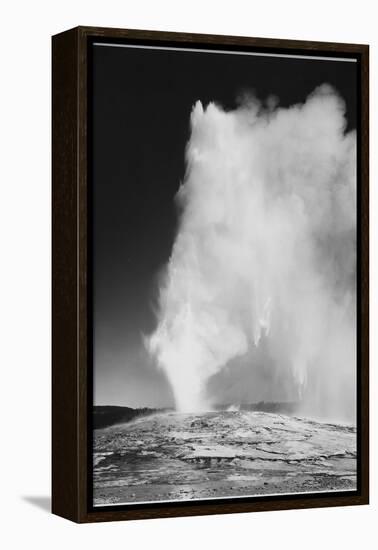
point(265, 248)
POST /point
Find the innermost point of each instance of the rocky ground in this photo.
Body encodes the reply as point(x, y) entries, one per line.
point(172, 456)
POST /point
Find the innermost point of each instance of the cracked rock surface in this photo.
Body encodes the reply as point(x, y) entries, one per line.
point(172, 456)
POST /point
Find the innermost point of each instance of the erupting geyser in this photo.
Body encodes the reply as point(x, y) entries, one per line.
point(265, 245)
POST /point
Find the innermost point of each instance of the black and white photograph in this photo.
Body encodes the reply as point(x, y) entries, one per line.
point(224, 273)
point(189, 253)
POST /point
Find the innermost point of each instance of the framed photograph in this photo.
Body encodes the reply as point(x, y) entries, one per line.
point(210, 274)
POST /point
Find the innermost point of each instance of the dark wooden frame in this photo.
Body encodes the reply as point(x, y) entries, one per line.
point(71, 365)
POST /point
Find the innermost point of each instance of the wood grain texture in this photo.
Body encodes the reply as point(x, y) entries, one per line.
point(220, 40)
point(71, 350)
point(363, 228)
point(64, 284)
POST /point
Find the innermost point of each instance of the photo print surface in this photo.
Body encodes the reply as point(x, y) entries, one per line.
point(223, 273)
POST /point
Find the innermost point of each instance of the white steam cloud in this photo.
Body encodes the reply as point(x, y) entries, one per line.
point(265, 248)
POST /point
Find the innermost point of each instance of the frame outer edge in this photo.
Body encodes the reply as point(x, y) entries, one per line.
point(65, 383)
point(82, 300)
point(364, 96)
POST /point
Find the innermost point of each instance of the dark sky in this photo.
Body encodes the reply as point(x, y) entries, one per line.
point(142, 99)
